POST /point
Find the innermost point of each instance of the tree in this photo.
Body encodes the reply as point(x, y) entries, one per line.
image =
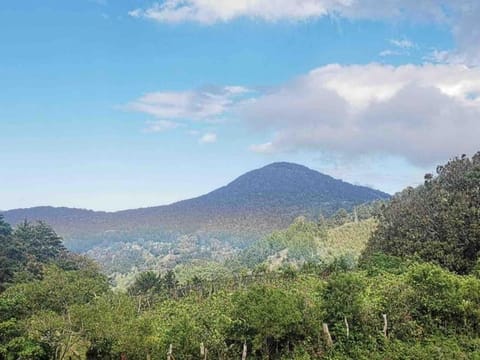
point(26, 249)
point(5, 228)
point(39, 240)
point(146, 282)
point(340, 217)
point(57, 334)
point(267, 318)
point(12, 254)
point(343, 300)
point(438, 221)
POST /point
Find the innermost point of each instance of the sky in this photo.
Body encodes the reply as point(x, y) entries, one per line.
point(111, 105)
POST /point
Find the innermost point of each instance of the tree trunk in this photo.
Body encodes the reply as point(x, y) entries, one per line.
point(170, 352)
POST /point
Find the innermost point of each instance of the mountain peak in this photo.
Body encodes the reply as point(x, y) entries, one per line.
point(282, 178)
point(285, 164)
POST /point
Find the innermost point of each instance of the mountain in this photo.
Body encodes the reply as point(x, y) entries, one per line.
point(254, 204)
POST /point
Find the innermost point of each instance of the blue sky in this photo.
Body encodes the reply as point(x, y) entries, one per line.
point(121, 104)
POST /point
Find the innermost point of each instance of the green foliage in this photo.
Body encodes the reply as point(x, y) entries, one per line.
point(306, 242)
point(35, 316)
point(393, 305)
point(379, 263)
point(146, 282)
point(301, 242)
point(443, 348)
point(39, 240)
point(59, 289)
point(340, 217)
point(343, 296)
point(26, 249)
point(438, 221)
point(277, 314)
point(348, 239)
point(5, 228)
point(267, 318)
point(202, 270)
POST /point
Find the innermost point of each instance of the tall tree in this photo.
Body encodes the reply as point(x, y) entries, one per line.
point(438, 221)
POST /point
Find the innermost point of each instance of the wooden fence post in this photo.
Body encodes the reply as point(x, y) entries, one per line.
point(244, 353)
point(385, 325)
point(203, 351)
point(328, 337)
point(347, 326)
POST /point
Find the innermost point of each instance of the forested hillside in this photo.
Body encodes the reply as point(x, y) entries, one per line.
point(300, 293)
point(248, 208)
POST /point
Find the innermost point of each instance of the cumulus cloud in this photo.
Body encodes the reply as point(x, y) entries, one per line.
point(424, 113)
point(174, 109)
point(212, 11)
point(421, 113)
point(208, 138)
point(460, 15)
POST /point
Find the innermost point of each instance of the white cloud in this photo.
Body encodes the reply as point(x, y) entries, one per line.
point(402, 43)
point(161, 125)
point(403, 47)
point(208, 138)
point(168, 107)
point(424, 114)
point(421, 113)
point(137, 13)
point(462, 16)
point(266, 148)
point(212, 11)
point(389, 53)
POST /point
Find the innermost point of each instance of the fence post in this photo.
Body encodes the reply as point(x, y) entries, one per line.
point(385, 325)
point(348, 327)
point(328, 337)
point(244, 353)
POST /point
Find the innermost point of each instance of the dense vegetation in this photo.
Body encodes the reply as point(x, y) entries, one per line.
point(438, 221)
point(25, 249)
point(297, 294)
